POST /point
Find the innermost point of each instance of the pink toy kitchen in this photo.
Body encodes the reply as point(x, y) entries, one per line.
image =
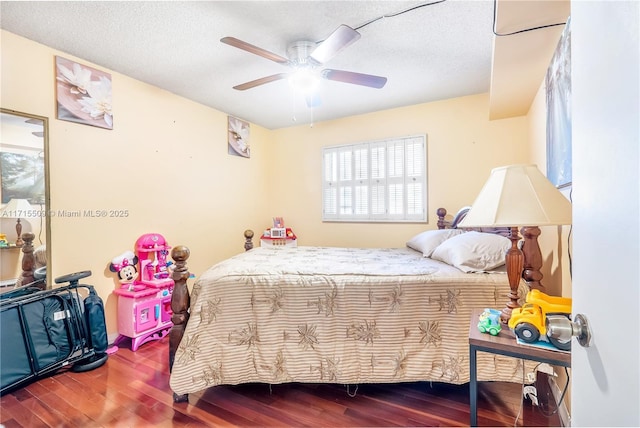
point(144, 295)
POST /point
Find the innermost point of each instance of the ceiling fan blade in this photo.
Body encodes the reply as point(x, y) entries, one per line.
point(355, 78)
point(342, 37)
point(236, 43)
point(261, 81)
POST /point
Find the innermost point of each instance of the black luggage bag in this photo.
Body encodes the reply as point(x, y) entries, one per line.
point(44, 331)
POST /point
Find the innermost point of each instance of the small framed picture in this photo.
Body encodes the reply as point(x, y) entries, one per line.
point(83, 94)
point(238, 137)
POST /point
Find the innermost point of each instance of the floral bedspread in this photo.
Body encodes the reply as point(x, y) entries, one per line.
point(337, 315)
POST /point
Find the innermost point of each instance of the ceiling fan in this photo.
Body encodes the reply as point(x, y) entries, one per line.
point(305, 56)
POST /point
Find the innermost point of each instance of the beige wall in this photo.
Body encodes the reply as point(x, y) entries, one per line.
point(165, 162)
point(14, 96)
point(462, 148)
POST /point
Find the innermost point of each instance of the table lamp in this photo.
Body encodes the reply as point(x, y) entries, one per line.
point(17, 208)
point(517, 196)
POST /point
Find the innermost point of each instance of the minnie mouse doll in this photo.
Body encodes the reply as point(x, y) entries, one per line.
point(126, 265)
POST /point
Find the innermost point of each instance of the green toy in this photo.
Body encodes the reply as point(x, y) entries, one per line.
point(489, 322)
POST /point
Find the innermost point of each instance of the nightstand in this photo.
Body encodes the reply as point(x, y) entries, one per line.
point(503, 344)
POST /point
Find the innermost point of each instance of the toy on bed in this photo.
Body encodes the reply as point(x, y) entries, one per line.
point(144, 296)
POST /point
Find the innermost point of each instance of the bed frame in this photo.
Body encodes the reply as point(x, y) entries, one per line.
point(181, 301)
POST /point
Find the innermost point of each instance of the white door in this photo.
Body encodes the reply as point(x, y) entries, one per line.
point(605, 378)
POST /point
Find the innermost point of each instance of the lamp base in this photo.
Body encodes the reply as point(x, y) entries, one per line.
point(19, 241)
point(514, 261)
point(505, 314)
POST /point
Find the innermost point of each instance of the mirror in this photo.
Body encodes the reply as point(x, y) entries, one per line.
point(24, 192)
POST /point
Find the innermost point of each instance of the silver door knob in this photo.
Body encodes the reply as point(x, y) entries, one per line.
point(563, 329)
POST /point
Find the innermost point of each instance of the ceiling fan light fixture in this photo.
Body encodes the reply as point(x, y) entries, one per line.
point(299, 52)
point(304, 80)
point(303, 57)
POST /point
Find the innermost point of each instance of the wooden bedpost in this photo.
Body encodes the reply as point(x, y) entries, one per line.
point(532, 258)
point(28, 259)
point(441, 213)
point(180, 303)
point(248, 236)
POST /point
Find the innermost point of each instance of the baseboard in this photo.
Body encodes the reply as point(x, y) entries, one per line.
point(112, 337)
point(563, 412)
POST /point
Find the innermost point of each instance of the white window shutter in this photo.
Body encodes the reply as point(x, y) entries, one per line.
point(376, 181)
point(330, 185)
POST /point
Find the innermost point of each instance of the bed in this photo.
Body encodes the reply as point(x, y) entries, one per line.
point(340, 315)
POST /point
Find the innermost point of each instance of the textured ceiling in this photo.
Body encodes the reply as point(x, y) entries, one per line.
point(438, 51)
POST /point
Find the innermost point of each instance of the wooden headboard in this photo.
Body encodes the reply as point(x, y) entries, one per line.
point(529, 244)
point(443, 223)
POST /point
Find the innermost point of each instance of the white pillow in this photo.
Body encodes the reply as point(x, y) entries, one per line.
point(473, 251)
point(426, 242)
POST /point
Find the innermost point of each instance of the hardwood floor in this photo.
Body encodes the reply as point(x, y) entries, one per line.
point(132, 390)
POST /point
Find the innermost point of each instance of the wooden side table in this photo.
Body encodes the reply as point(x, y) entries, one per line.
point(503, 344)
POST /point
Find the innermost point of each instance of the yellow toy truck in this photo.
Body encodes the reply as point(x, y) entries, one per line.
point(533, 319)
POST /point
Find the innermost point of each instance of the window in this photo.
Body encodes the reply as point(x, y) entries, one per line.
point(380, 181)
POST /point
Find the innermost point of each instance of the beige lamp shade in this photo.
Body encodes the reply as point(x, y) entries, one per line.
point(518, 195)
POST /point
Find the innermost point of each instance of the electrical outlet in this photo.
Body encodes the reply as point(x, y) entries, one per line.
point(531, 393)
point(531, 377)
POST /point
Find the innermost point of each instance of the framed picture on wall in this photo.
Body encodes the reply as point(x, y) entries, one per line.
point(83, 94)
point(558, 97)
point(238, 137)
